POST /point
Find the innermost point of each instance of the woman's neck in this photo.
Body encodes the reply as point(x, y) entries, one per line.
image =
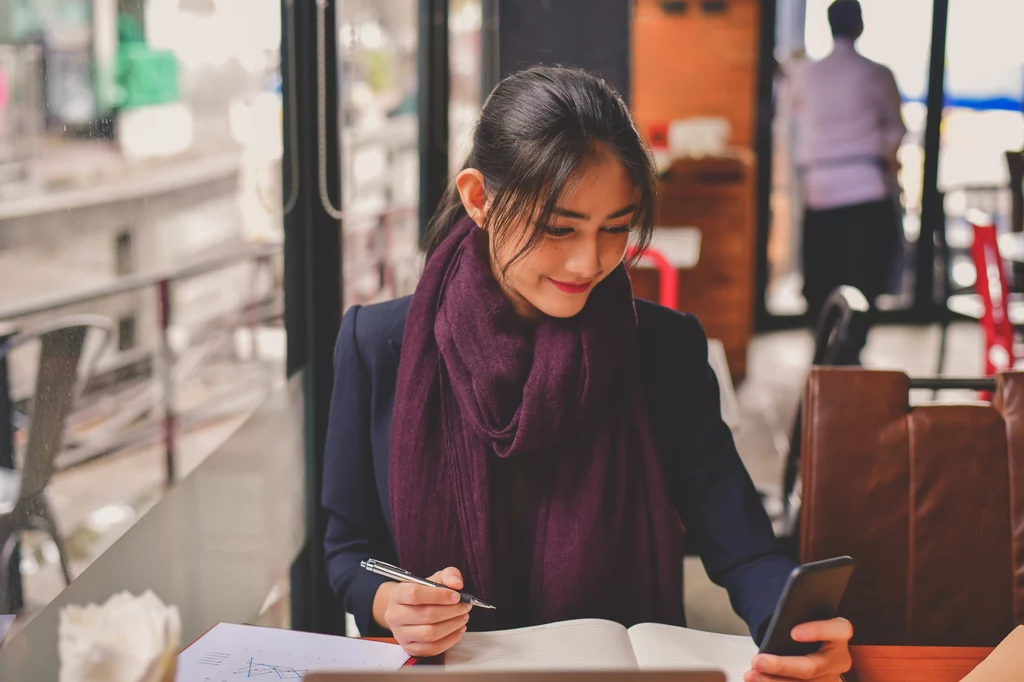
point(524, 309)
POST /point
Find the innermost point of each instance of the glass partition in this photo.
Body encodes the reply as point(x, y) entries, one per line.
point(377, 53)
point(140, 202)
point(465, 19)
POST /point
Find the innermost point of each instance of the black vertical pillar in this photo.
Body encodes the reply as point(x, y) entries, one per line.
point(931, 200)
point(489, 67)
point(13, 587)
point(590, 34)
point(763, 139)
point(313, 272)
point(433, 93)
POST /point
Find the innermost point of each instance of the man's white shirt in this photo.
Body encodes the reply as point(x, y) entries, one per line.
point(847, 113)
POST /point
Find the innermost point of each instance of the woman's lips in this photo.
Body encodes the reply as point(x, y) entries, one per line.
point(571, 288)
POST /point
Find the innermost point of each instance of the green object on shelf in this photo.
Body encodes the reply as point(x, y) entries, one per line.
point(128, 30)
point(146, 76)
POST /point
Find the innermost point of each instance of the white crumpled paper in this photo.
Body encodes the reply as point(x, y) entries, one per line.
point(127, 639)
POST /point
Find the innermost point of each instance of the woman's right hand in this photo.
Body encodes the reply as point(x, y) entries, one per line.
point(426, 621)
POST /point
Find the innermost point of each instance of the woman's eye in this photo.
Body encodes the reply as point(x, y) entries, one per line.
point(619, 229)
point(559, 231)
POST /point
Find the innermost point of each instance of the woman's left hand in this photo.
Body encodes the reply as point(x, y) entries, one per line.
point(824, 665)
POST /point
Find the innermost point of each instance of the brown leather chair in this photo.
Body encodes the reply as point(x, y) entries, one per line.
point(929, 501)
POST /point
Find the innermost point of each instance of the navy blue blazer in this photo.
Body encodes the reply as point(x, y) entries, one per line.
point(708, 483)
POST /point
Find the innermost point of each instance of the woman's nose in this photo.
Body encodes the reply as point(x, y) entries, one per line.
point(585, 259)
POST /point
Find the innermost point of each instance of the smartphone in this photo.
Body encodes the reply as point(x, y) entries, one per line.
point(812, 592)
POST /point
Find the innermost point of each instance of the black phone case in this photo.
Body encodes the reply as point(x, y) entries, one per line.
point(812, 592)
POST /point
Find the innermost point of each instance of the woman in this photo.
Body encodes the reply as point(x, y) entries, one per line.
point(545, 437)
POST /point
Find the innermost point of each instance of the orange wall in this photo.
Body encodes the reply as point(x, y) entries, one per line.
point(697, 64)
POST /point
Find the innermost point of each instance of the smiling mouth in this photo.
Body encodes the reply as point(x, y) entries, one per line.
point(571, 288)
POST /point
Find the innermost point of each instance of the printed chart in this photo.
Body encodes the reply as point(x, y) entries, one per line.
point(229, 653)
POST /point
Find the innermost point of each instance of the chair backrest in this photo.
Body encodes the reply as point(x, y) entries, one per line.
point(992, 287)
point(844, 311)
point(929, 501)
point(843, 316)
point(58, 382)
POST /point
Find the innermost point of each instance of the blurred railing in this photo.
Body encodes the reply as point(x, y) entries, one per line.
point(382, 261)
point(258, 308)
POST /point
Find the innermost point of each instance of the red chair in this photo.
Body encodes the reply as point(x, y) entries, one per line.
point(998, 311)
point(668, 277)
point(991, 286)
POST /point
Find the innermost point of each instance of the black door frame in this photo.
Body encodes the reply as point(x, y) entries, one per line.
point(313, 279)
point(314, 273)
point(433, 88)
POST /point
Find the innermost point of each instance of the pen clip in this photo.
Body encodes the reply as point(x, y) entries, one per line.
point(396, 569)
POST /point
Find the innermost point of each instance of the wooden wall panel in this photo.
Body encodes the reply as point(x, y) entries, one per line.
point(701, 64)
point(697, 64)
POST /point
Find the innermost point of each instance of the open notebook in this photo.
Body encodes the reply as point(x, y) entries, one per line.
point(602, 645)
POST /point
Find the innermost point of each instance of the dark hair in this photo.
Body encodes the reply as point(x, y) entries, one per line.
point(536, 130)
point(844, 16)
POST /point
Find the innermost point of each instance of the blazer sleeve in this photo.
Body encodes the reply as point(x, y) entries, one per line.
point(356, 528)
point(716, 498)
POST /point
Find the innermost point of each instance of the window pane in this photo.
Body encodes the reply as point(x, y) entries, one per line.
point(464, 23)
point(377, 53)
point(149, 153)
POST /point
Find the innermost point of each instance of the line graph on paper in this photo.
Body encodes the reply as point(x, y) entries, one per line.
point(232, 653)
point(259, 665)
point(262, 666)
point(260, 669)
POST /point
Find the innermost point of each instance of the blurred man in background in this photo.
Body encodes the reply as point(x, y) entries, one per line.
point(849, 127)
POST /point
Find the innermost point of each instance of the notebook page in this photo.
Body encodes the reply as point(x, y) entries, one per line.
point(570, 645)
point(669, 647)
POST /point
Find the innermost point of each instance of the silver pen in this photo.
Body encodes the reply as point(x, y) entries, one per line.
point(404, 576)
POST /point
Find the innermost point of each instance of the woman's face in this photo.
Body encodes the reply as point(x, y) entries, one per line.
point(583, 243)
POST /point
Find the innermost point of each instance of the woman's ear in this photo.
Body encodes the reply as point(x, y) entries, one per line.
point(470, 184)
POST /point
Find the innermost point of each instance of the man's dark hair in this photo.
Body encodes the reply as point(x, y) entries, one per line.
point(845, 18)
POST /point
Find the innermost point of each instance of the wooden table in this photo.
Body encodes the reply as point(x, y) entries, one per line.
point(914, 663)
point(883, 663)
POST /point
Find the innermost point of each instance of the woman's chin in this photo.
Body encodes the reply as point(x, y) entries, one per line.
point(564, 306)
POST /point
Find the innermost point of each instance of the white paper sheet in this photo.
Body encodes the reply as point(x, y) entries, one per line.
point(570, 645)
point(6, 621)
point(229, 653)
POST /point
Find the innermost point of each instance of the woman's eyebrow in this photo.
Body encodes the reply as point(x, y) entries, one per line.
point(566, 213)
point(624, 211)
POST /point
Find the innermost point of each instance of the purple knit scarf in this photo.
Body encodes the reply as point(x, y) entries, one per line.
point(477, 383)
